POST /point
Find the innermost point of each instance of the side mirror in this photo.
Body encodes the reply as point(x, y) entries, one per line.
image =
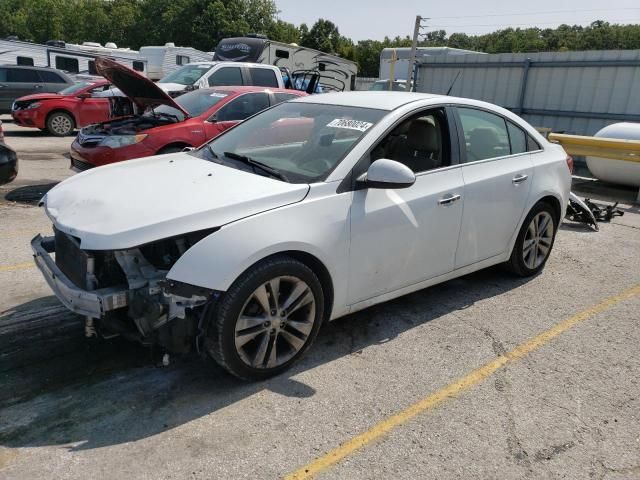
point(84, 95)
point(386, 173)
point(213, 118)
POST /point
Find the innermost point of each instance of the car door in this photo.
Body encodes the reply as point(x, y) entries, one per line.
point(236, 110)
point(497, 179)
point(93, 109)
point(17, 83)
point(405, 236)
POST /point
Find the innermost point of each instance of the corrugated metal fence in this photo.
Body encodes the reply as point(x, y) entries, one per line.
point(574, 92)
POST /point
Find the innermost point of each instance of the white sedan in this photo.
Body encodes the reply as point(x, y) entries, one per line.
point(311, 210)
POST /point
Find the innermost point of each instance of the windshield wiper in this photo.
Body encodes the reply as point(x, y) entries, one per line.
point(255, 163)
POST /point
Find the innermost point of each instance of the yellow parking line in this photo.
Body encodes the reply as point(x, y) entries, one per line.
point(17, 266)
point(454, 389)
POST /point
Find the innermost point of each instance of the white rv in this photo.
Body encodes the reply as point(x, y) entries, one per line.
point(71, 58)
point(162, 60)
point(336, 73)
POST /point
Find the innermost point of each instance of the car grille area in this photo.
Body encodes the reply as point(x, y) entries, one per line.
point(70, 259)
point(80, 165)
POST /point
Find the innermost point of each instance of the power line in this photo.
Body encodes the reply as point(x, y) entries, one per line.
point(548, 12)
point(530, 24)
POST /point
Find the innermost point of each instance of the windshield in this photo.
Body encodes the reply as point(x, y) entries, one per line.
point(187, 75)
point(195, 103)
point(302, 141)
point(76, 87)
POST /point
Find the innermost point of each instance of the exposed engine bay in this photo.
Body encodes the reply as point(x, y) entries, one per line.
point(143, 305)
point(130, 125)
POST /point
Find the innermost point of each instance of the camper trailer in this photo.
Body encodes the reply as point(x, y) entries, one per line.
point(71, 58)
point(337, 74)
point(162, 60)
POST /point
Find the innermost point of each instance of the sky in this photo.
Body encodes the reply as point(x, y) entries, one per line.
point(375, 19)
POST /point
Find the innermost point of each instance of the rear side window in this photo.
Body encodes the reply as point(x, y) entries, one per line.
point(138, 66)
point(3, 74)
point(517, 139)
point(283, 97)
point(264, 77)
point(24, 61)
point(485, 134)
point(22, 75)
point(51, 77)
point(67, 64)
point(226, 76)
point(243, 107)
point(532, 145)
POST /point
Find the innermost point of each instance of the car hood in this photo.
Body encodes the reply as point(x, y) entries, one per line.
point(142, 91)
point(39, 96)
point(131, 203)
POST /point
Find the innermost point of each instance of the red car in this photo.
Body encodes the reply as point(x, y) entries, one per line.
point(60, 113)
point(167, 124)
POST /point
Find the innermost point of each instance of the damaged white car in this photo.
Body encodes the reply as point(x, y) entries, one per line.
point(306, 212)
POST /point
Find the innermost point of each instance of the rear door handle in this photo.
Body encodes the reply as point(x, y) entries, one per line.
point(449, 198)
point(519, 178)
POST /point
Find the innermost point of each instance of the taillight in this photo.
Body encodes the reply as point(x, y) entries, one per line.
point(570, 163)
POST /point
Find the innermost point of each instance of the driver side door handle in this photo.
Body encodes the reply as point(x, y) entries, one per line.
point(518, 179)
point(449, 198)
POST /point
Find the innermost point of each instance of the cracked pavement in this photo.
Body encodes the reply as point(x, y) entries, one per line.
point(72, 409)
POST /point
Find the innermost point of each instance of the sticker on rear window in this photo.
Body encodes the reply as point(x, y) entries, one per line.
point(219, 95)
point(350, 124)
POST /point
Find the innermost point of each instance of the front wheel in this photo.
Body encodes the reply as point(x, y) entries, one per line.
point(534, 242)
point(60, 124)
point(267, 319)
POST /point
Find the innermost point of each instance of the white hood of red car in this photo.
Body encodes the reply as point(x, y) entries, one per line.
point(128, 204)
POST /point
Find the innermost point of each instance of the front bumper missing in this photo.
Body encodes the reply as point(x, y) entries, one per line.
point(90, 303)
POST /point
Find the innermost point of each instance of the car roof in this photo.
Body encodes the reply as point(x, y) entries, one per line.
point(369, 99)
point(251, 89)
point(217, 62)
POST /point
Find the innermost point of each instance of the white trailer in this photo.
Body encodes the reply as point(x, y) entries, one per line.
point(71, 58)
point(162, 60)
point(336, 72)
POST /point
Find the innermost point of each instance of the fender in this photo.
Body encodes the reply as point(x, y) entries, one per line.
point(319, 226)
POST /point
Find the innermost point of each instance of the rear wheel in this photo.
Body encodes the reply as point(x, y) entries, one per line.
point(173, 149)
point(535, 241)
point(60, 124)
point(267, 319)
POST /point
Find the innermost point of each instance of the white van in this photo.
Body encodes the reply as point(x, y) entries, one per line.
point(218, 74)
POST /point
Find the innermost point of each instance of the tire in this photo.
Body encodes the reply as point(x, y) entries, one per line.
point(254, 344)
point(538, 245)
point(60, 124)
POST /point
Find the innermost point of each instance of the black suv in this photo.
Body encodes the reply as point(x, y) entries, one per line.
point(18, 80)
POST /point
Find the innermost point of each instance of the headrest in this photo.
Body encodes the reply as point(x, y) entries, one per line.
point(423, 136)
point(484, 136)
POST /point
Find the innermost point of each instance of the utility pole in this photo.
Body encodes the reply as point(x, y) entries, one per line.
point(414, 46)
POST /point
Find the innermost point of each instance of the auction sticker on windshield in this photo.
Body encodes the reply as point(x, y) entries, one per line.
point(350, 124)
point(219, 95)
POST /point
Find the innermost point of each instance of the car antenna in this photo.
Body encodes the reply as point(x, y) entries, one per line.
point(454, 82)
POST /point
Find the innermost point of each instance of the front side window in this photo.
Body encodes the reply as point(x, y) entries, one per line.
point(67, 64)
point(264, 77)
point(227, 76)
point(243, 107)
point(485, 134)
point(187, 75)
point(303, 141)
point(76, 87)
point(22, 75)
point(421, 142)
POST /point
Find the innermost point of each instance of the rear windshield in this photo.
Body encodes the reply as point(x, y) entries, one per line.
point(187, 75)
point(196, 103)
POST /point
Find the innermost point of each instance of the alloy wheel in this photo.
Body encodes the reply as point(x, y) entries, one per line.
point(538, 240)
point(275, 322)
point(61, 124)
